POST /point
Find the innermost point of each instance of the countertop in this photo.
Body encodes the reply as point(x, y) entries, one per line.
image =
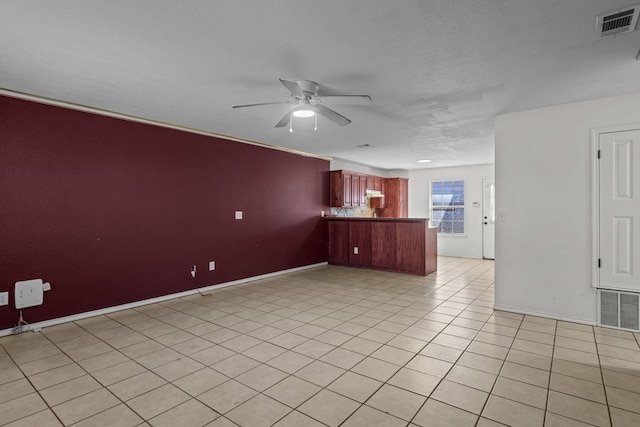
point(350, 218)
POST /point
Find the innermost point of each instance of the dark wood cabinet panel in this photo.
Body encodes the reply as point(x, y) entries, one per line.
point(360, 238)
point(403, 245)
point(396, 198)
point(349, 189)
point(383, 245)
point(338, 233)
point(363, 190)
point(410, 253)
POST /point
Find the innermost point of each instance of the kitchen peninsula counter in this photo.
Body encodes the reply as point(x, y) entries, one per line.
point(404, 245)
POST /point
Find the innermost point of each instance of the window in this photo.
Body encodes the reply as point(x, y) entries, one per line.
point(447, 206)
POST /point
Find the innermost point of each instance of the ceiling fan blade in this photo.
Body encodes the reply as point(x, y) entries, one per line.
point(262, 103)
point(284, 120)
point(293, 87)
point(338, 119)
point(346, 99)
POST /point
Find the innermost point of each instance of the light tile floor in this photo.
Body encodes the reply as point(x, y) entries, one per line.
point(328, 346)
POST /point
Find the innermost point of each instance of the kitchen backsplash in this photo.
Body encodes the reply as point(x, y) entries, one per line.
point(354, 212)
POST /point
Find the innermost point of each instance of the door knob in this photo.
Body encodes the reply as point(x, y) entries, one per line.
point(485, 223)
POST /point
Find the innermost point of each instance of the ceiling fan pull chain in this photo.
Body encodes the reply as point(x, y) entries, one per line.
point(291, 123)
point(315, 116)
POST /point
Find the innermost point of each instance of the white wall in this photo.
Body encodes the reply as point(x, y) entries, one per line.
point(470, 244)
point(543, 187)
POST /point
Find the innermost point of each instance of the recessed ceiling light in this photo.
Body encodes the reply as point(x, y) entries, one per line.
point(424, 161)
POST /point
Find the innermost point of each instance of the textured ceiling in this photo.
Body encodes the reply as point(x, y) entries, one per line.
point(438, 71)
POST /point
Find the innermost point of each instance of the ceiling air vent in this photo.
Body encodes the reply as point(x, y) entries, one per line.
point(618, 22)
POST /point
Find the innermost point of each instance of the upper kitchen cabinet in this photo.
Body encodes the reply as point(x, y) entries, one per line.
point(348, 189)
point(396, 194)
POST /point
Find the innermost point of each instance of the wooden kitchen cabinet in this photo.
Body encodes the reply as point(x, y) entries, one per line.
point(396, 194)
point(360, 242)
point(348, 189)
point(401, 245)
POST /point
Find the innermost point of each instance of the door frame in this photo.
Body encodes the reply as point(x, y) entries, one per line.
point(595, 194)
point(484, 180)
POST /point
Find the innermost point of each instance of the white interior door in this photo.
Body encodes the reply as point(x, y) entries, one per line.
point(619, 210)
point(488, 218)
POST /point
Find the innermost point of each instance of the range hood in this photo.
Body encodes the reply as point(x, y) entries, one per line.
point(374, 193)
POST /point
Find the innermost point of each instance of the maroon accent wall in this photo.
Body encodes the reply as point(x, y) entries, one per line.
point(111, 211)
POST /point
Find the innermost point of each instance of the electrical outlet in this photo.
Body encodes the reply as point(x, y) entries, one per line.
point(212, 265)
point(238, 214)
point(4, 298)
point(193, 271)
point(355, 250)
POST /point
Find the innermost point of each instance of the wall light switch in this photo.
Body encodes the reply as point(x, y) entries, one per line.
point(212, 265)
point(4, 298)
point(238, 214)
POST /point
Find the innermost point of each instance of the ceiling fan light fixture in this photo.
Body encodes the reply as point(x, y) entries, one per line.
point(424, 161)
point(303, 112)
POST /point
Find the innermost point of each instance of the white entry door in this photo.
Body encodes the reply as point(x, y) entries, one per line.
point(488, 218)
point(619, 210)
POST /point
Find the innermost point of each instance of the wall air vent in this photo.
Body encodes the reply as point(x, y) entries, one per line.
point(619, 309)
point(618, 22)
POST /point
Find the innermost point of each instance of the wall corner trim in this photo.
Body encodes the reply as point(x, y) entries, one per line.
point(36, 327)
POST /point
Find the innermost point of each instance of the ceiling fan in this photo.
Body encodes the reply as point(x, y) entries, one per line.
point(307, 102)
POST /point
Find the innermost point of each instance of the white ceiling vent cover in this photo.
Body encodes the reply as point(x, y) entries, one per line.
point(619, 309)
point(618, 22)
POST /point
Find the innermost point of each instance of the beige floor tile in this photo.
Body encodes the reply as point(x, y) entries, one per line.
point(56, 376)
point(413, 339)
point(259, 411)
point(441, 352)
point(361, 345)
point(136, 385)
point(220, 335)
point(460, 396)
point(319, 373)
point(212, 355)
point(621, 380)
point(513, 413)
point(288, 340)
point(226, 396)
point(480, 362)
point(15, 389)
point(525, 374)
point(490, 350)
point(44, 418)
point(142, 348)
point(91, 350)
point(329, 407)
point(292, 391)
point(178, 368)
point(241, 343)
point(85, 406)
point(486, 422)
point(451, 341)
point(393, 355)
point(575, 344)
point(578, 409)
point(21, 407)
point(118, 416)
point(342, 358)
point(577, 356)
point(438, 414)
point(619, 353)
point(576, 334)
point(623, 399)
point(577, 387)
point(70, 390)
point(261, 377)
point(157, 401)
point(297, 419)
point(521, 392)
point(366, 416)
point(118, 373)
point(376, 369)
point(555, 420)
point(103, 361)
point(190, 413)
point(45, 364)
point(500, 329)
point(36, 353)
point(496, 339)
point(630, 344)
point(10, 373)
point(529, 359)
point(535, 337)
point(355, 386)
point(417, 382)
point(200, 381)
point(576, 326)
point(266, 333)
point(472, 377)
point(264, 352)
point(577, 370)
point(192, 346)
point(535, 326)
point(532, 347)
point(350, 328)
point(235, 365)
point(290, 362)
point(396, 401)
point(622, 418)
point(428, 365)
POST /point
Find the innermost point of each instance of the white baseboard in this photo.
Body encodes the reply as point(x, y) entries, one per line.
point(51, 322)
point(546, 315)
